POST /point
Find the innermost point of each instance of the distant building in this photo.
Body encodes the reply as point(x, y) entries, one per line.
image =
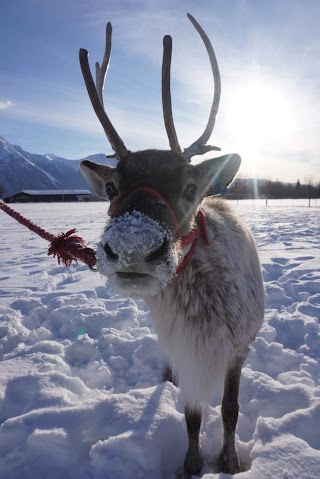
point(37, 196)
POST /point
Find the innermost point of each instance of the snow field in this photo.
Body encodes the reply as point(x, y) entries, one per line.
point(80, 380)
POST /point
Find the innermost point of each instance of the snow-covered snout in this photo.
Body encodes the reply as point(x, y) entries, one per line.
point(137, 250)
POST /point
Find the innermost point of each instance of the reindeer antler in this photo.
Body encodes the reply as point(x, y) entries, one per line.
point(96, 93)
point(199, 147)
point(166, 96)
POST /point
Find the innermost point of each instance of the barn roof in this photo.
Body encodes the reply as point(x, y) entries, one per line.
point(56, 192)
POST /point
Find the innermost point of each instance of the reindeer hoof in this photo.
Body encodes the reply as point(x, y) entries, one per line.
point(188, 475)
point(228, 462)
point(192, 465)
point(183, 475)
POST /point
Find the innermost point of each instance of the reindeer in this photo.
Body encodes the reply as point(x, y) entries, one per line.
point(185, 252)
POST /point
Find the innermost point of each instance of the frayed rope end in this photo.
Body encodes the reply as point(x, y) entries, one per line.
point(68, 247)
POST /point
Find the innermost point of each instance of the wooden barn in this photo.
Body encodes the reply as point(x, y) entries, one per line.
point(36, 196)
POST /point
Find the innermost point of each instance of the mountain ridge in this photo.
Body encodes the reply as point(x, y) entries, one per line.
point(21, 170)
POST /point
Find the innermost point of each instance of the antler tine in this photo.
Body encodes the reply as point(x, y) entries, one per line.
point(166, 95)
point(102, 71)
point(95, 93)
point(199, 147)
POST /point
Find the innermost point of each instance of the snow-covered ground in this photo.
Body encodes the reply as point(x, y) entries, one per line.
point(80, 380)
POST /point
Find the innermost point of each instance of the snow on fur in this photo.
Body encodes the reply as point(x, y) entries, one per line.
point(80, 378)
point(137, 233)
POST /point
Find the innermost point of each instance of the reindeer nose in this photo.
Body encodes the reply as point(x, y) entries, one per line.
point(109, 252)
point(159, 253)
point(134, 239)
point(155, 255)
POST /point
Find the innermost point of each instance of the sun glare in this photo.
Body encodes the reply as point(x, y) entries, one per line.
point(260, 115)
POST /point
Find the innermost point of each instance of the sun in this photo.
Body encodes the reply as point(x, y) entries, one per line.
point(259, 115)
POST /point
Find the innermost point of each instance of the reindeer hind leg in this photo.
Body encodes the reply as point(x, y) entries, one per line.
point(228, 461)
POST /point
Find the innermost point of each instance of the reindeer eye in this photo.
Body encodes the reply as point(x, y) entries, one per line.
point(110, 190)
point(190, 192)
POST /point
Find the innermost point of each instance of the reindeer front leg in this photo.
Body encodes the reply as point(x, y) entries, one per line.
point(228, 461)
point(193, 462)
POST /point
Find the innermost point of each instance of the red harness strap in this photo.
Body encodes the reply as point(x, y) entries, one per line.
point(193, 238)
point(154, 193)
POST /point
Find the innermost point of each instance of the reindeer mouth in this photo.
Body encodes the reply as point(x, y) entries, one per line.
point(131, 276)
point(135, 284)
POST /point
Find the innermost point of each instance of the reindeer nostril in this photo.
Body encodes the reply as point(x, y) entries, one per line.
point(109, 252)
point(160, 252)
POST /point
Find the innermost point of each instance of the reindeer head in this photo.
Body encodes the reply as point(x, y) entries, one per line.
point(154, 195)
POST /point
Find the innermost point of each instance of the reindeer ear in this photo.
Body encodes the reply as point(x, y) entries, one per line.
point(216, 174)
point(97, 175)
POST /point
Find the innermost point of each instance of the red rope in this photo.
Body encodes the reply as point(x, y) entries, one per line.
point(67, 247)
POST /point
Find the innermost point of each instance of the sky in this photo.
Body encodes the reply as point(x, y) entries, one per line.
point(269, 60)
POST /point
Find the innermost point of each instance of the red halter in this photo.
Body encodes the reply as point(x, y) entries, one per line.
point(191, 238)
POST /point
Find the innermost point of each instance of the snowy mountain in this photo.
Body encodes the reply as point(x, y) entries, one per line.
point(21, 170)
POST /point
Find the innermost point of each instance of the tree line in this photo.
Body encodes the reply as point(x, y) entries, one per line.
point(243, 188)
